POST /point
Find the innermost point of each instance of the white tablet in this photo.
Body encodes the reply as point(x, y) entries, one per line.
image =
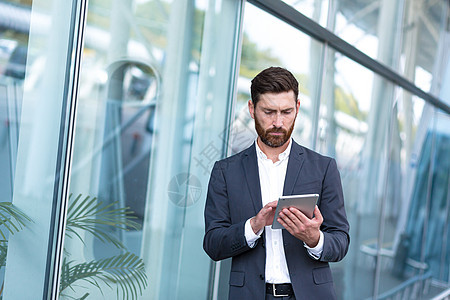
point(305, 203)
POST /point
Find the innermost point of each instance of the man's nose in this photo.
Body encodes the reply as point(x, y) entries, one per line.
point(278, 120)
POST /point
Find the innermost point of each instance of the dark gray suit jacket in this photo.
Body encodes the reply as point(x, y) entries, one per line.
point(234, 196)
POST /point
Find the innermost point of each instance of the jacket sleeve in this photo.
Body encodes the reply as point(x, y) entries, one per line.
point(335, 226)
point(222, 239)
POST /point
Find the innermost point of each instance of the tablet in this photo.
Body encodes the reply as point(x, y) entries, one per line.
point(304, 203)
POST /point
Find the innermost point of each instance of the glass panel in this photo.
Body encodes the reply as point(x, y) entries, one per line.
point(36, 52)
point(353, 126)
point(420, 165)
point(316, 10)
point(416, 210)
point(14, 35)
point(437, 248)
point(13, 55)
point(154, 102)
point(424, 48)
point(267, 42)
point(372, 27)
point(406, 135)
point(407, 36)
point(353, 28)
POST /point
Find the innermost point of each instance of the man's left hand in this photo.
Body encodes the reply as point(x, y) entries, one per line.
point(300, 226)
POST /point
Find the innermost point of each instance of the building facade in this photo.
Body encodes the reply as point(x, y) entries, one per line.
point(113, 113)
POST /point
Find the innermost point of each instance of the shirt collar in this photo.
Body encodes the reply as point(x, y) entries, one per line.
point(282, 156)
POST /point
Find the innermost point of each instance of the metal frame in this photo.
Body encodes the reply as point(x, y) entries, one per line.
point(65, 151)
point(296, 19)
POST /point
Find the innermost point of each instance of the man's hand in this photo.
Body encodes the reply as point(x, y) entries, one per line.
point(264, 217)
point(300, 226)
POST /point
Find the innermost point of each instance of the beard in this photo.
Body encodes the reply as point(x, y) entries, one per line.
point(273, 141)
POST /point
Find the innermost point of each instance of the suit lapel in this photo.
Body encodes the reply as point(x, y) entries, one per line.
point(294, 166)
point(250, 164)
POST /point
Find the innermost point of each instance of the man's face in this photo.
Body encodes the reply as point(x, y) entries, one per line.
point(274, 116)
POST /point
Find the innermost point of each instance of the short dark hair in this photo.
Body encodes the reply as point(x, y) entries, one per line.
point(273, 80)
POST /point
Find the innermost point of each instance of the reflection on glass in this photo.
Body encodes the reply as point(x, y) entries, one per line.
point(386, 150)
point(13, 55)
point(151, 121)
point(424, 49)
point(316, 10)
point(132, 89)
point(427, 227)
point(358, 24)
point(267, 42)
point(415, 239)
point(404, 35)
point(348, 100)
point(42, 143)
point(397, 185)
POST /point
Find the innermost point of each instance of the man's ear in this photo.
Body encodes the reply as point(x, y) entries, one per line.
point(298, 104)
point(251, 109)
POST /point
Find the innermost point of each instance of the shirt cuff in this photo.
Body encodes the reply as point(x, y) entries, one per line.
point(250, 236)
point(316, 252)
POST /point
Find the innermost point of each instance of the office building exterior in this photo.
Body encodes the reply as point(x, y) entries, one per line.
point(113, 112)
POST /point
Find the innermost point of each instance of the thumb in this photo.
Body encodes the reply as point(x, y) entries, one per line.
point(318, 214)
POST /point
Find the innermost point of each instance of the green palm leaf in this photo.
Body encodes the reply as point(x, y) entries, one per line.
point(97, 218)
point(3, 251)
point(11, 219)
point(126, 271)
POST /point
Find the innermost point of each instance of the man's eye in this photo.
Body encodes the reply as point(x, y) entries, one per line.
point(268, 112)
point(287, 112)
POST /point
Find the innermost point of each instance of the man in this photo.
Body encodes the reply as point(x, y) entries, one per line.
point(290, 263)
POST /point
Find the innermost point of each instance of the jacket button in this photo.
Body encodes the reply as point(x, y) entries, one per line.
point(261, 276)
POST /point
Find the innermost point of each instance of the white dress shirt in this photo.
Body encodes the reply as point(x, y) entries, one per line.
point(271, 177)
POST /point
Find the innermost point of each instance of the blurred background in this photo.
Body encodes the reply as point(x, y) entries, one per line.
point(113, 112)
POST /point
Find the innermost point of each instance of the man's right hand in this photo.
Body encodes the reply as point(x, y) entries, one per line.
point(264, 217)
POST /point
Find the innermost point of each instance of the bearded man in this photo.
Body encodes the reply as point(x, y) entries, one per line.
point(289, 263)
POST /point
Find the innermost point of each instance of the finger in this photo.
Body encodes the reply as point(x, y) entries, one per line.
point(289, 217)
point(272, 204)
point(289, 225)
point(266, 210)
point(280, 220)
point(318, 214)
point(299, 215)
point(285, 222)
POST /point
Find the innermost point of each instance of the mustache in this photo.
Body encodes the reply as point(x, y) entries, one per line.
point(276, 130)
